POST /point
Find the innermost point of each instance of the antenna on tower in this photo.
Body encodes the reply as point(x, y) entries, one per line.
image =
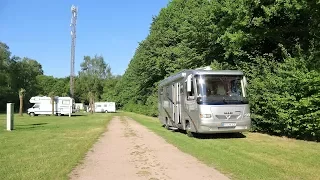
point(74, 12)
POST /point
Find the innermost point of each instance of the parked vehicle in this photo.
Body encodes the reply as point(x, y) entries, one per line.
point(204, 101)
point(104, 107)
point(79, 107)
point(42, 105)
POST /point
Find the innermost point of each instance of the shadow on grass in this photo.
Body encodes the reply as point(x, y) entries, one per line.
point(213, 136)
point(76, 115)
point(220, 136)
point(30, 126)
point(35, 124)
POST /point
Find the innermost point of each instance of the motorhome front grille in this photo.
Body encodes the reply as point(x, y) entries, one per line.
point(228, 117)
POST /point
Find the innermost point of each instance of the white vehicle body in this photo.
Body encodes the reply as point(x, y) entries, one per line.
point(42, 105)
point(104, 107)
point(79, 106)
point(205, 101)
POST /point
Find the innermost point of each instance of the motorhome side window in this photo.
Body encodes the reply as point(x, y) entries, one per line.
point(190, 94)
point(65, 102)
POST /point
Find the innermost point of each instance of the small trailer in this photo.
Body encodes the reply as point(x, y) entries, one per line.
point(204, 101)
point(42, 105)
point(105, 107)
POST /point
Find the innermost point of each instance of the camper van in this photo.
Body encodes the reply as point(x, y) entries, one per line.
point(104, 107)
point(204, 101)
point(42, 105)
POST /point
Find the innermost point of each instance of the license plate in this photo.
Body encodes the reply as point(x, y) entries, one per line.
point(229, 124)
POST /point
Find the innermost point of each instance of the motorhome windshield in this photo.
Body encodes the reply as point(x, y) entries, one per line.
point(220, 89)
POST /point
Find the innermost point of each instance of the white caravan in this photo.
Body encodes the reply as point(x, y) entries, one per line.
point(104, 107)
point(43, 105)
point(79, 107)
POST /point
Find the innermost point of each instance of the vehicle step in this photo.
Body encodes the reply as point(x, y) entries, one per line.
point(173, 128)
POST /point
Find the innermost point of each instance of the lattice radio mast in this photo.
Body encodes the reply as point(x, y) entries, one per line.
point(74, 12)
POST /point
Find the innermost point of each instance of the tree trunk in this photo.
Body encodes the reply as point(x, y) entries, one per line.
point(52, 103)
point(21, 106)
point(94, 108)
point(91, 105)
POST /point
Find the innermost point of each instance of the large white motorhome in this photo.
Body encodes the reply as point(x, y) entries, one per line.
point(42, 105)
point(104, 107)
point(204, 101)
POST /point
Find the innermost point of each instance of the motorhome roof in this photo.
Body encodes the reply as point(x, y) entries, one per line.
point(186, 72)
point(218, 72)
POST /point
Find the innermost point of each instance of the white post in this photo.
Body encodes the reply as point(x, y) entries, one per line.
point(10, 110)
point(70, 108)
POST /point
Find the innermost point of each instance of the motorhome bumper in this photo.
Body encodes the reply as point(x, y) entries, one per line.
point(224, 127)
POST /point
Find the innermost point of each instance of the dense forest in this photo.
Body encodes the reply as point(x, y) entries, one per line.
point(275, 43)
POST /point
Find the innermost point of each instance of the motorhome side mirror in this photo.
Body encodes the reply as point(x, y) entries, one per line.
point(189, 83)
point(244, 81)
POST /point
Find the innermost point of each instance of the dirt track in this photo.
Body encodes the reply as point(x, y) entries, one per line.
point(130, 151)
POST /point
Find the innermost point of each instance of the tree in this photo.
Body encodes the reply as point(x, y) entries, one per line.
point(21, 96)
point(92, 77)
point(91, 101)
point(52, 96)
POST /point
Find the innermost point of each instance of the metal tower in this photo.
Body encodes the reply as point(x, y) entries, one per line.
point(74, 12)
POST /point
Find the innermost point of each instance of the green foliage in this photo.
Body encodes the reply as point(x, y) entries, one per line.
point(94, 73)
point(286, 101)
point(16, 73)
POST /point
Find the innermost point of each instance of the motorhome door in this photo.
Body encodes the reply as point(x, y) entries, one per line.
point(176, 103)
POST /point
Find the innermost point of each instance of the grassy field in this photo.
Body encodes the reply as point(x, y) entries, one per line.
point(46, 147)
point(257, 156)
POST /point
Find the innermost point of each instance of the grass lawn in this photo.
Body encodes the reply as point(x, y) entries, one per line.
point(258, 156)
point(45, 147)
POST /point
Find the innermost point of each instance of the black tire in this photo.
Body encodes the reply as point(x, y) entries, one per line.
point(106, 111)
point(167, 125)
point(32, 114)
point(59, 114)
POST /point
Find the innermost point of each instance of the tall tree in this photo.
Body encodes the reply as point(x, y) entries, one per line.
point(21, 96)
point(91, 78)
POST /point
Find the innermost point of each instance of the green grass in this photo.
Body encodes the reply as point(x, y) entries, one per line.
point(258, 156)
point(46, 147)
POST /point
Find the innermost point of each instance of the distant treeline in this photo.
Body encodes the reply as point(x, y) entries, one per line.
point(94, 79)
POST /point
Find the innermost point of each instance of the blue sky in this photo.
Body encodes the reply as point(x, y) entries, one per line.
point(40, 29)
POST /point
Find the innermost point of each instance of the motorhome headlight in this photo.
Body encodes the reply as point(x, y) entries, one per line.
point(205, 115)
point(247, 115)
